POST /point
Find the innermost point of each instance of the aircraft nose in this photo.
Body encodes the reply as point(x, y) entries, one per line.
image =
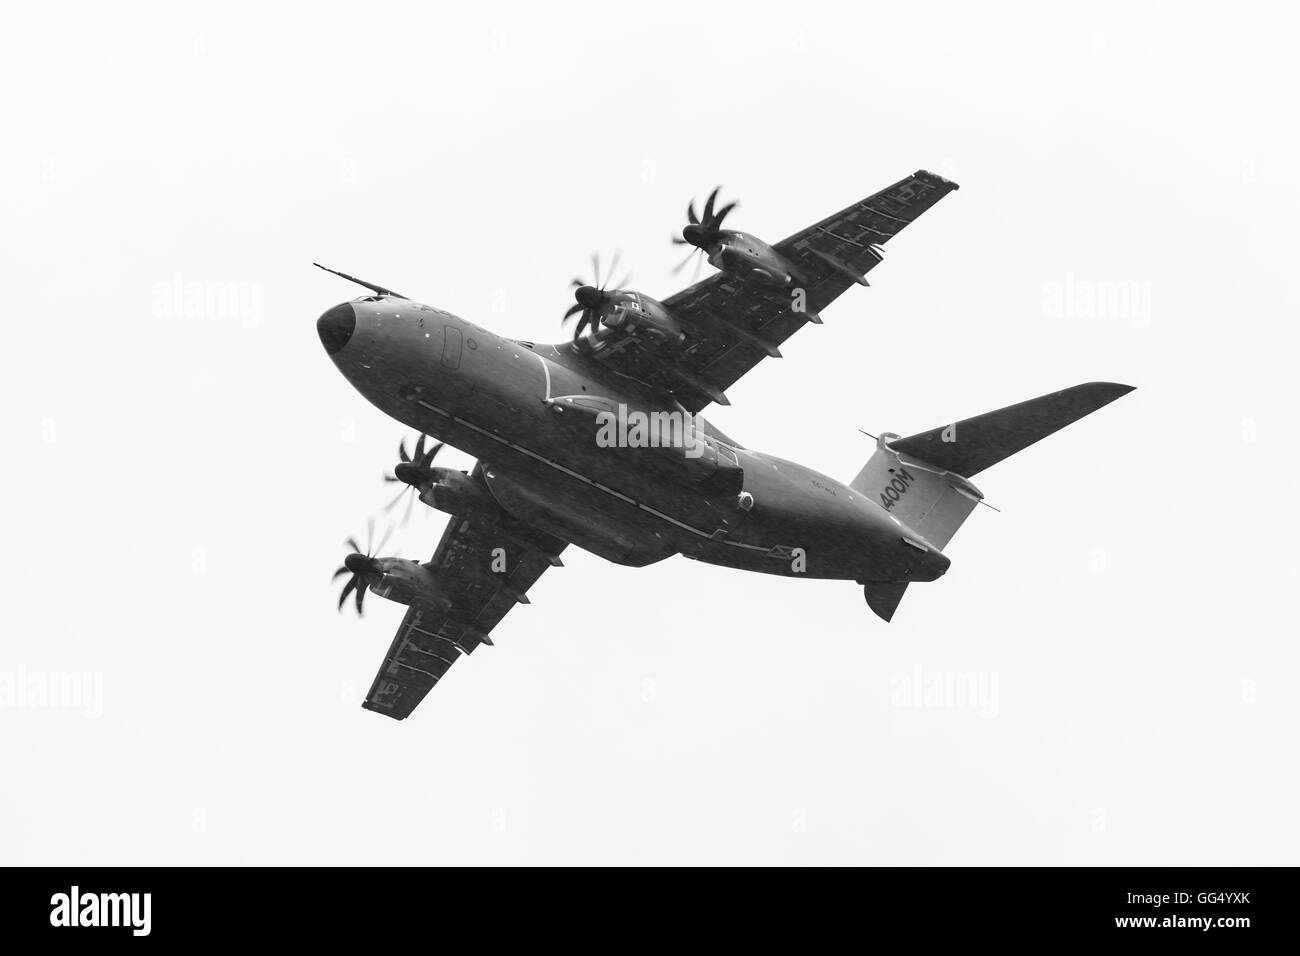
point(335, 327)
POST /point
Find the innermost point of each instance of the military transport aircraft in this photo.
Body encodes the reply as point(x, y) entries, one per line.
point(597, 441)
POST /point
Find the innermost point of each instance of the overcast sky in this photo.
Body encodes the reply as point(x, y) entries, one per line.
point(184, 461)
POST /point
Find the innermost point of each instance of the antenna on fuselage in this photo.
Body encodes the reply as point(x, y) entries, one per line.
point(377, 289)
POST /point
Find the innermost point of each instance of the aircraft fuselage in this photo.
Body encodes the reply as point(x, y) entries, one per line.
point(532, 413)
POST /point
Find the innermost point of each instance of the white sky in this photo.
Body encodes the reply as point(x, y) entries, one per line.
point(179, 481)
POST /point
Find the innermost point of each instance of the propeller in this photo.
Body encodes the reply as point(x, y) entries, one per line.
point(702, 233)
point(362, 567)
point(593, 299)
point(412, 471)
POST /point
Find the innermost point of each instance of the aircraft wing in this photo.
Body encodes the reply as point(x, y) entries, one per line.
point(732, 324)
point(430, 639)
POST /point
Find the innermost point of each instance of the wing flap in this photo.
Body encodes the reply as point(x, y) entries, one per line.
point(482, 567)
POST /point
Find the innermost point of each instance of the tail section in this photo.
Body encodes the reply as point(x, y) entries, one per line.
point(923, 480)
point(931, 500)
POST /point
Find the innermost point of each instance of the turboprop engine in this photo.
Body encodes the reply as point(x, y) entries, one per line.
point(396, 579)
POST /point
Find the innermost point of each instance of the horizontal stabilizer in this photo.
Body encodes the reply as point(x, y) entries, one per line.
point(883, 598)
point(969, 446)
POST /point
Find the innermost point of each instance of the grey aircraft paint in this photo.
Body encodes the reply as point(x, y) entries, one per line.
point(552, 472)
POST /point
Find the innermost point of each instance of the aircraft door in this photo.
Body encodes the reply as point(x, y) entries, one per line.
point(451, 345)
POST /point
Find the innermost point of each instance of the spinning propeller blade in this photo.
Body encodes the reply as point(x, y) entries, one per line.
point(412, 472)
point(592, 299)
point(362, 568)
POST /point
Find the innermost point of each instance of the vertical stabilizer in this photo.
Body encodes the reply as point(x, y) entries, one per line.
point(932, 501)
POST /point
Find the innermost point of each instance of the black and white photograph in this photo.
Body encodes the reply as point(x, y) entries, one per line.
point(661, 434)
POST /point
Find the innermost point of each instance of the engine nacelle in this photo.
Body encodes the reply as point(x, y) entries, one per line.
point(457, 493)
point(408, 582)
point(647, 319)
point(743, 255)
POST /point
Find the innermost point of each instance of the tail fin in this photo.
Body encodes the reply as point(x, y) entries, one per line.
point(923, 479)
point(884, 597)
point(931, 500)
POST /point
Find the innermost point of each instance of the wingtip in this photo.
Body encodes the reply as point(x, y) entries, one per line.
point(1112, 389)
point(938, 178)
point(374, 708)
